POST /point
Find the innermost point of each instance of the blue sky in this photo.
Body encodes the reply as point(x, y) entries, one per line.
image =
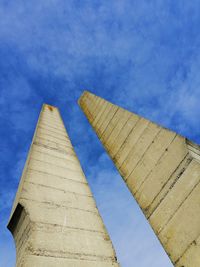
point(141, 55)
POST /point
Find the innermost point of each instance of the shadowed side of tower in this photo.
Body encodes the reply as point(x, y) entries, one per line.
point(160, 168)
point(54, 219)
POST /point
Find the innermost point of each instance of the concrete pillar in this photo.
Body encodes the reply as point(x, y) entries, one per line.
point(54, 219)
point(160, 168)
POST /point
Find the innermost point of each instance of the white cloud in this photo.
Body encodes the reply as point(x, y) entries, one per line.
point(140, 55)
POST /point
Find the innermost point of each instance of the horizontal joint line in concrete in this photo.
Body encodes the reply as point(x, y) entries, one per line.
point(65, 140)
point(53, 204)
point(107, 109)
point(19, 237)
point(70, 227)
point(127, 137)
point(50, 115)
point(113, 127)
point(188, 247)
point(53, 156)
point(61, 144)
point(65, 178)
point(142, 156)
point(119, 131)
point(161, 156)
point(62, 151)
point(92, 107)
point(165, 185)
point(74, 256)
point(62, 190)
point(46, 116)
point(53, 121)
point(55, 125)
point(179, 207)
point(52, 164)
point(108, 123)
point(56, 128)
point(102, 112)
point(57, 118)
point(43, 128)
point(134, 146)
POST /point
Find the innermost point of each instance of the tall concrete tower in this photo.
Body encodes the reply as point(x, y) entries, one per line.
point(162, 171)
point(54, 219)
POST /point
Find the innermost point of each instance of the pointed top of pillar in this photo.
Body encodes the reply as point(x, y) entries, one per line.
point(86, 94)
point(50, 107)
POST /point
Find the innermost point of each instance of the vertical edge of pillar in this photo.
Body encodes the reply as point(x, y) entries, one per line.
point(19, 188)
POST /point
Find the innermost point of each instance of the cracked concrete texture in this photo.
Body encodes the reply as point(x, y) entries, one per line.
point(160, 168)
point(54, 219)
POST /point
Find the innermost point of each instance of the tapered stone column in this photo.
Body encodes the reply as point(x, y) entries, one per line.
point(162, 171)
point(54, 219)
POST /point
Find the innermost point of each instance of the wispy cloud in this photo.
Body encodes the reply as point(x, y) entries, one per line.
point(142, 55)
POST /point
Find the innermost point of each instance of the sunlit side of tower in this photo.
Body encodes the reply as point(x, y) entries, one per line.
point(54, 219)
point(160, 168)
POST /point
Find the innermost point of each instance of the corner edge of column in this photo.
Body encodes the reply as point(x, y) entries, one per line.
point(194, 149)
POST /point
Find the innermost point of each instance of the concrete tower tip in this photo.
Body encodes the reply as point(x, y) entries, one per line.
point(84, 94)
point(50, 107)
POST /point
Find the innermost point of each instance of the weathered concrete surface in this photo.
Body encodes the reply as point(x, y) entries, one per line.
point(162, 171)
point(54, 219)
